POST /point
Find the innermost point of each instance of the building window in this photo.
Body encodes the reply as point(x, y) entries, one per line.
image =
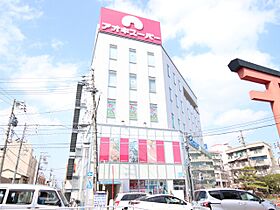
point(182, 107)
point(133, 110)
point(113, 52)
point(174, 79)
point(173, 122)
point(184, 126)
point(168, 70)
point(179, 124)
point(152, 84)
point(111, 108)
point(132, 55)
point(179, 85)
point(176, 99)
point(170, 94)
point(153, 113)
point(112, 78)
point(151, 59)
point(132, 82)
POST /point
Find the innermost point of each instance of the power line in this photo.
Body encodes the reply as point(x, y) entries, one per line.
point(235, 131)
point(17, 80)
point(46, 112)
point(241, 124)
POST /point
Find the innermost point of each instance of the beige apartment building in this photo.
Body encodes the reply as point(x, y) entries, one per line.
point(202, 167)
point(27, 165)
point(221, 175)
point(258, 155)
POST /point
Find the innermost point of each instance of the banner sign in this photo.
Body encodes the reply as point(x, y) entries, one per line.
point(130, 26)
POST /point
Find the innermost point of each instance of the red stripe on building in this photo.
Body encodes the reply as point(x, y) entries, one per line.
point(160, 151)
point(124, 150)
point(176, 152)
point(104, 149)
point(142, 144)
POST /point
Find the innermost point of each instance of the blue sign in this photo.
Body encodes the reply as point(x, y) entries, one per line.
point(206, 147)
point(193, 142)
point(90, 173)
point(89, 184)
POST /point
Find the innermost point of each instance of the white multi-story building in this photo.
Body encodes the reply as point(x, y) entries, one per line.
point(258, 155)
point(139, 83)
point(145, 110)
point(221, 176)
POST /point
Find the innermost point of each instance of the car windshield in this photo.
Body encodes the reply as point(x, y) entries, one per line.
point(143, 198)
point(215, 194)
point(129, 197)
point(64, 200)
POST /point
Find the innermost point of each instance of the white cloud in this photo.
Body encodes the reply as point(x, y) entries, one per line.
point(41, 76)
point(56, 44)
point(12, 12)
point(42, 82)
point(237, 116)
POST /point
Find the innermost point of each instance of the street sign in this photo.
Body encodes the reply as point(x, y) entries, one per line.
point(90, 173)
point(89, 184)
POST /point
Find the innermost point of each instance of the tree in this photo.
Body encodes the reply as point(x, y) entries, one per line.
point(273, 182)
point(247, 176)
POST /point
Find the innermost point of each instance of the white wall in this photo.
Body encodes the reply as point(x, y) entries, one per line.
point(122, 93)
point(188, 115)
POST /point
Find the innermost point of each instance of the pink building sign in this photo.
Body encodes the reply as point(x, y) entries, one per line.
point(129, 26)
point(268, 77)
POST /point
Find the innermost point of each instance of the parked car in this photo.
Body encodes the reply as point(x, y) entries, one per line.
point(229, 199)
point(123, 199)
point(27, 196)
point(159, 202)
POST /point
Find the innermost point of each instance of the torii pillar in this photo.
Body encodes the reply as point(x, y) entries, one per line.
point(262, 75)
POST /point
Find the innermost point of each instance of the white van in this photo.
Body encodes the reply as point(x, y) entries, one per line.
point(27, 196)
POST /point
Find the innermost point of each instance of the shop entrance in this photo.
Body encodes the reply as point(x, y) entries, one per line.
point(112, 190)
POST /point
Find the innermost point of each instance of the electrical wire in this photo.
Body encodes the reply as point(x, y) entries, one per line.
point(267, 119)
point(46, 79)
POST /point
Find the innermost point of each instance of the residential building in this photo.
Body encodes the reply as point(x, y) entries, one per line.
point(202, 168)
point(27, 164)
point(258, 155)
point(146, 114)
point(221, 176)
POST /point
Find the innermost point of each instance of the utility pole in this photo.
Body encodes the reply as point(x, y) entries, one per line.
point(37, 171)
point(94, 131)
point(51, 179)
point(242, 141)
point(188, 180)
point(19, 150)
point(7, 138)
point(42, 157)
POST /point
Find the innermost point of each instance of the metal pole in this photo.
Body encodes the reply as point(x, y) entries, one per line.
point(6, 141)
point(19, 150)
point(94, 132)
point(113, 183)
point(37, 173)
point(188, 179)
point(242, 141)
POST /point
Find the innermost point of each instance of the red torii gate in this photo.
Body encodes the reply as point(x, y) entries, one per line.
point(262, 75)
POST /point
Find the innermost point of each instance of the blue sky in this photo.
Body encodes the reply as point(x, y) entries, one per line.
point(46, 46)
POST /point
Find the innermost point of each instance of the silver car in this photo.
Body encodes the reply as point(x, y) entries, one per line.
point(229, 199)
point(159, 202)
